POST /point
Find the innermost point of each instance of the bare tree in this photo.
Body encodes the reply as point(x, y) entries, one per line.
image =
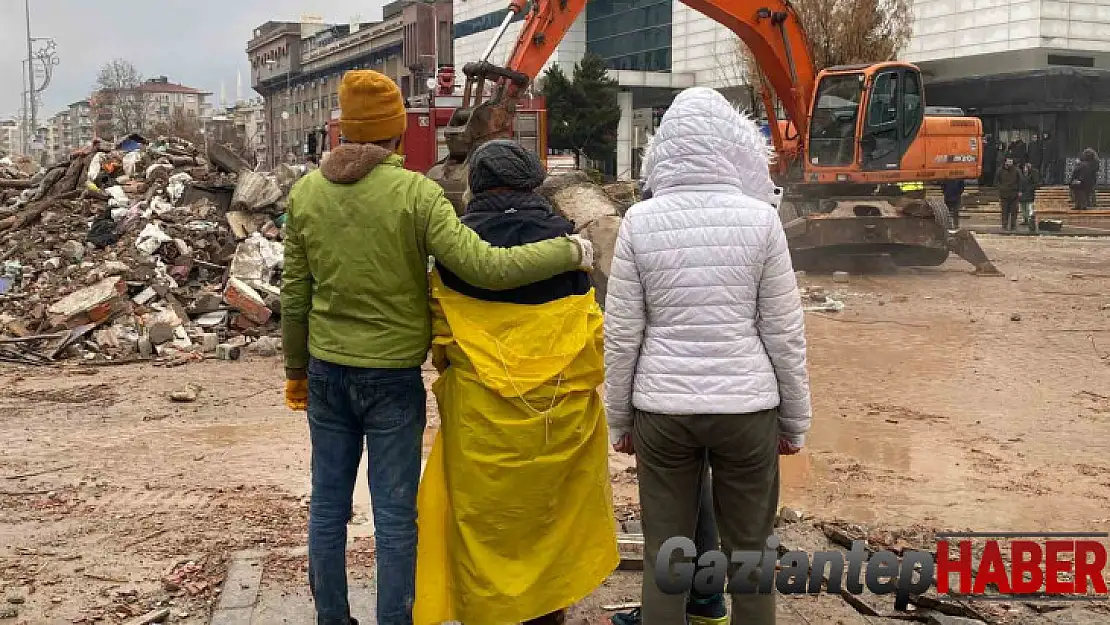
point(122, 106)
point(843, 32)
point(180, 125)
point(840, 32)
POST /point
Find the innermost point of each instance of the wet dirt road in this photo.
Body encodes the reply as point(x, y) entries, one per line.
point(932, 406)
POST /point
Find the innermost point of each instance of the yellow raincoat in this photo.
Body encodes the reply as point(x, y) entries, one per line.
point(515, 509)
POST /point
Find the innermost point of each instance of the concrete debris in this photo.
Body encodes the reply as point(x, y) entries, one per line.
point(826, 305)
point(790, 515)
point(578, 199)
point(242, 297)
point(137, 243)
point(840, 277)
point(226, 351)
point(186, 395)
point(595, 214)
point(266, 347)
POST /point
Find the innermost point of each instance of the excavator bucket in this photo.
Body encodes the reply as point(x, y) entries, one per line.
point(476, 123)
point(967, 247)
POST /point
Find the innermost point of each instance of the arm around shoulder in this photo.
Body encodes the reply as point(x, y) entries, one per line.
point(478, 263)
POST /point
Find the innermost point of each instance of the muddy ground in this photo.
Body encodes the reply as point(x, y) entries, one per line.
point(941, 400)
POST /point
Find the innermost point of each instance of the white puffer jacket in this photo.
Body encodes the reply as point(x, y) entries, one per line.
point(703, 314)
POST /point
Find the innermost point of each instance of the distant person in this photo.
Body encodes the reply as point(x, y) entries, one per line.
point(1083, 179)
point(1008, 182)
point(1048, 159)
point(953, 198)
point(1030, 182)
point(705, 347)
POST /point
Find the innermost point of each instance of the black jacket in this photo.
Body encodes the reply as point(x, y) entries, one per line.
point(953, 191)
point(1028, 185)
point(1008, 182)
point(508, 219)
point(1085, 174)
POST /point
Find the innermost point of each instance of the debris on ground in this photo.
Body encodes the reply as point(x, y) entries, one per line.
point(147, 248)
point(596, 216)
point(186, 395)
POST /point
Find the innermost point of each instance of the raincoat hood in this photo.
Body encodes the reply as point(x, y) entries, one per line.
point(704, 140)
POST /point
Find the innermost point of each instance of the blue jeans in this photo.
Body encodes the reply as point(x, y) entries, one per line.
point(386, 407)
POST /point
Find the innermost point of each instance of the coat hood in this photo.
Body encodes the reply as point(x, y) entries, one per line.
point(704, 140)
point(350, 162)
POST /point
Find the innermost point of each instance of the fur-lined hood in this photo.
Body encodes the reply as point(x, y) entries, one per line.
point(704, 140)
point(350, 162)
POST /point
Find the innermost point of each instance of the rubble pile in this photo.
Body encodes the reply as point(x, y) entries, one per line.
point(139, 250)
point(596, 212)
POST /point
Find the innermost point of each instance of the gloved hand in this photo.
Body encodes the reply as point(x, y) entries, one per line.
point(296, 394)
point(585, 252)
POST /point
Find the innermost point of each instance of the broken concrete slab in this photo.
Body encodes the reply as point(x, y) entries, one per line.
point(91, 304)
point(254, 191)
point(577, 198)
point(227, 160)
point(242, 297)
point(602, 233)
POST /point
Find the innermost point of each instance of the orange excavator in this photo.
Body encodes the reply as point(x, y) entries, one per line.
point(850, 134)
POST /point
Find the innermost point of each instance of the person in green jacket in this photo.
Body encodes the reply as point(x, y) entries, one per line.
point(357, 328)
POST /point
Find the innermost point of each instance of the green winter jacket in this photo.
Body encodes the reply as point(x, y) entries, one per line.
point(359, 234)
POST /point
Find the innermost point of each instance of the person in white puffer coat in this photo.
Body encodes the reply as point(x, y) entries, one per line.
point(705, 349)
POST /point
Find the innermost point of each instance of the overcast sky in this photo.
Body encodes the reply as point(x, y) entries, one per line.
point(196, 43)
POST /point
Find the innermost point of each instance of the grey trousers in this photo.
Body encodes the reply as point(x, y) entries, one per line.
point(742, 452)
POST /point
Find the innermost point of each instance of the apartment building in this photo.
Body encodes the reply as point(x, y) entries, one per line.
point(297, 66)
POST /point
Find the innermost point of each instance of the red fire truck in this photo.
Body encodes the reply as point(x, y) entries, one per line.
point(424, 143)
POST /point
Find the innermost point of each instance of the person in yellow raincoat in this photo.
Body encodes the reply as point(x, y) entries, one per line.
point(515, 511)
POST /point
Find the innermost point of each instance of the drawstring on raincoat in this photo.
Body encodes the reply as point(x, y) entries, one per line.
point(546, 414)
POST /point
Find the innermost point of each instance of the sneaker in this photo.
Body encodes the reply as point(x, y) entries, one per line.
point(707, 611)
point(631, 617)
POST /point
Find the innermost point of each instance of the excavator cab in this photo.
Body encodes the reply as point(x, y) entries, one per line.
point(868, 126)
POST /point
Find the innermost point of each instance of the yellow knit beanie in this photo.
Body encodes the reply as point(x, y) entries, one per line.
point(371, 107)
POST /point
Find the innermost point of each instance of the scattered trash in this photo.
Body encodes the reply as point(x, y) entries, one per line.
point(828, 305)
point(1015, 317)
point(840, 277)
point(151, 238)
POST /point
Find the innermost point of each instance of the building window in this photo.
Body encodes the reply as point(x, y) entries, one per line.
point(630, 35)
point(1071, 61)
point(335, 100)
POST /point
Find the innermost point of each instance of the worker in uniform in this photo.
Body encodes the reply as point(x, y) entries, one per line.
point(705, 349)
point(357, 328)
point(515, 507)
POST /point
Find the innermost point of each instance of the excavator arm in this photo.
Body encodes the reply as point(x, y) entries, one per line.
point(770, 28)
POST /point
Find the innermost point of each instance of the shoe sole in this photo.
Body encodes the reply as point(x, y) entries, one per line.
point(706, 620)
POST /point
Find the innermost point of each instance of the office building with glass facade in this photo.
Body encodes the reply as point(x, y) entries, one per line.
point(652, 48)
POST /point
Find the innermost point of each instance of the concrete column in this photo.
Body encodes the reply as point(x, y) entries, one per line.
point(624, 136)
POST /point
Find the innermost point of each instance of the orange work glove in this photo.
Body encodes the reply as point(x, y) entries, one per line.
point(296, 394)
